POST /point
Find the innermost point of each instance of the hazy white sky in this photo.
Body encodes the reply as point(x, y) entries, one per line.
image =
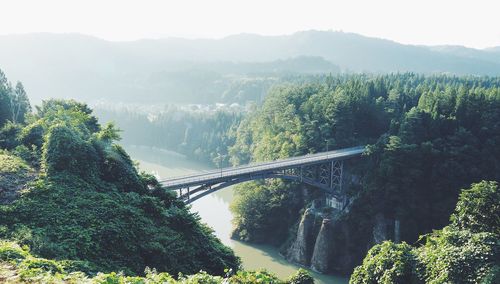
point(474, 23)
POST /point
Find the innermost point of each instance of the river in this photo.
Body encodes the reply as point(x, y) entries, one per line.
point(214, 211)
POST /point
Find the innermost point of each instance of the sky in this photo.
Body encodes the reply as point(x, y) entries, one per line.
point(474, 23)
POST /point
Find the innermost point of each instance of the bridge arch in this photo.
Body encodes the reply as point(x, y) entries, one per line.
point(322, 170)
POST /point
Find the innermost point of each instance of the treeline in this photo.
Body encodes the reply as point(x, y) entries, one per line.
point(202, 136)
point(14, 103)
point(428, 137)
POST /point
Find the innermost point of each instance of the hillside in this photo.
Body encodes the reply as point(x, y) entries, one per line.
point(70, 192)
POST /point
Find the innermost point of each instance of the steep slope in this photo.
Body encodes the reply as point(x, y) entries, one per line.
point(89, 203)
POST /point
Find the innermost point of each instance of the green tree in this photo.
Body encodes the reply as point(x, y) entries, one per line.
point(478, 208)
point(387, 263)
point(19, 103)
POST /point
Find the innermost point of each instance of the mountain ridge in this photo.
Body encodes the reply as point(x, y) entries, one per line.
point(53, 65)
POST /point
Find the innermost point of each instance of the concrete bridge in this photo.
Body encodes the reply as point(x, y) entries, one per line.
point(322, 170)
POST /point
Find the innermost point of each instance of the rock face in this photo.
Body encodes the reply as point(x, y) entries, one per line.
point(301, 249)
point(397, 231)
point(321, 253)
point(379, 229)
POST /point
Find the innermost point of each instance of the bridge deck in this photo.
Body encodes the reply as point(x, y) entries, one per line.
point(234, 172)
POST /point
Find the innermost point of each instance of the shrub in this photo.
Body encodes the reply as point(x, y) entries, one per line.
point(40, 264)
point(301, 277)
point(11, 164)
point(11, 252)
point(387, 263)
point(452, 256)
point(478, 208)
point(8, 135)
point(65, 150)
point(32, 135)
point(259, 276)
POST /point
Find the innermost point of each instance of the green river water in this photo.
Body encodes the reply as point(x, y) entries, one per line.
point(214, 211)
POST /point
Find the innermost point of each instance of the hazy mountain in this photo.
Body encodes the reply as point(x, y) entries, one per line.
point(200, 70)
point(494, 49)
point(489, 54)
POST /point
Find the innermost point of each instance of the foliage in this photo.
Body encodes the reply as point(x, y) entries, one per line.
point(90, 206)
point(66, 150)
point(11, 252)
point(32, 134)
point(261, 211)
point(11, 164)
point(300, 277)
point(429, 136)
point(387, 263)
point(259, 276)
point(202, 136)
point(9, 135)
point(478, 209)
point(14, 103)
point(454, 254)
point(24, 267)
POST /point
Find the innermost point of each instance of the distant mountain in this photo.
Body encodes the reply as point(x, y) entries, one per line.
point(488, 55)
point(494, 49)
point(185, 70)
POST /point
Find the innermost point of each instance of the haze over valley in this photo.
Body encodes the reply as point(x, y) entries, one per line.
point(236, 68)
point(244, 142)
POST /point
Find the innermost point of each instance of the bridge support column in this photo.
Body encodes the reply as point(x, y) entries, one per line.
point(337, 168)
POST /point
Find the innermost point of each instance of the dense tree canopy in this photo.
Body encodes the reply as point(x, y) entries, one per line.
point(428, 137)
point(467, 252)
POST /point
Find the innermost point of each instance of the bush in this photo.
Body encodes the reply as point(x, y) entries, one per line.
point(117, 167)
point(467, 251)
point(387, 263)
point(11, 164)
point(40, 264)
point(38, 270)
point(452, 256)
point(65, 151)
point(259, 276)
point(478, 208)
point(11, 252)
point(8, 135)
point(31, 156)
point(32, 135)
point(301, 277)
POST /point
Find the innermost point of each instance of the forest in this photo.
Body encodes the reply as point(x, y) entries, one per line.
point(428, 137)
point(431, 153)
point(74, 207)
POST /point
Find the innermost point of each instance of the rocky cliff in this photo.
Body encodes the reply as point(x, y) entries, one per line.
point(301, 249)
point(325, 240)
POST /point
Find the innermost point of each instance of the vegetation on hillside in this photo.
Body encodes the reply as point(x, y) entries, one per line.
point(17, 264)
point(428, 137)
point(77, 195)
point(466, 251)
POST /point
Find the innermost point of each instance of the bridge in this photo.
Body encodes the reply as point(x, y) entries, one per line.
point(322, 170)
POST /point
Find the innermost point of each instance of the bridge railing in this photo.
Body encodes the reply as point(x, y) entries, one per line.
point(253, 165)
point(236, 171)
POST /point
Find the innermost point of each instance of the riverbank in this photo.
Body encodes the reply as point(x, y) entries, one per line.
point(214, 211)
